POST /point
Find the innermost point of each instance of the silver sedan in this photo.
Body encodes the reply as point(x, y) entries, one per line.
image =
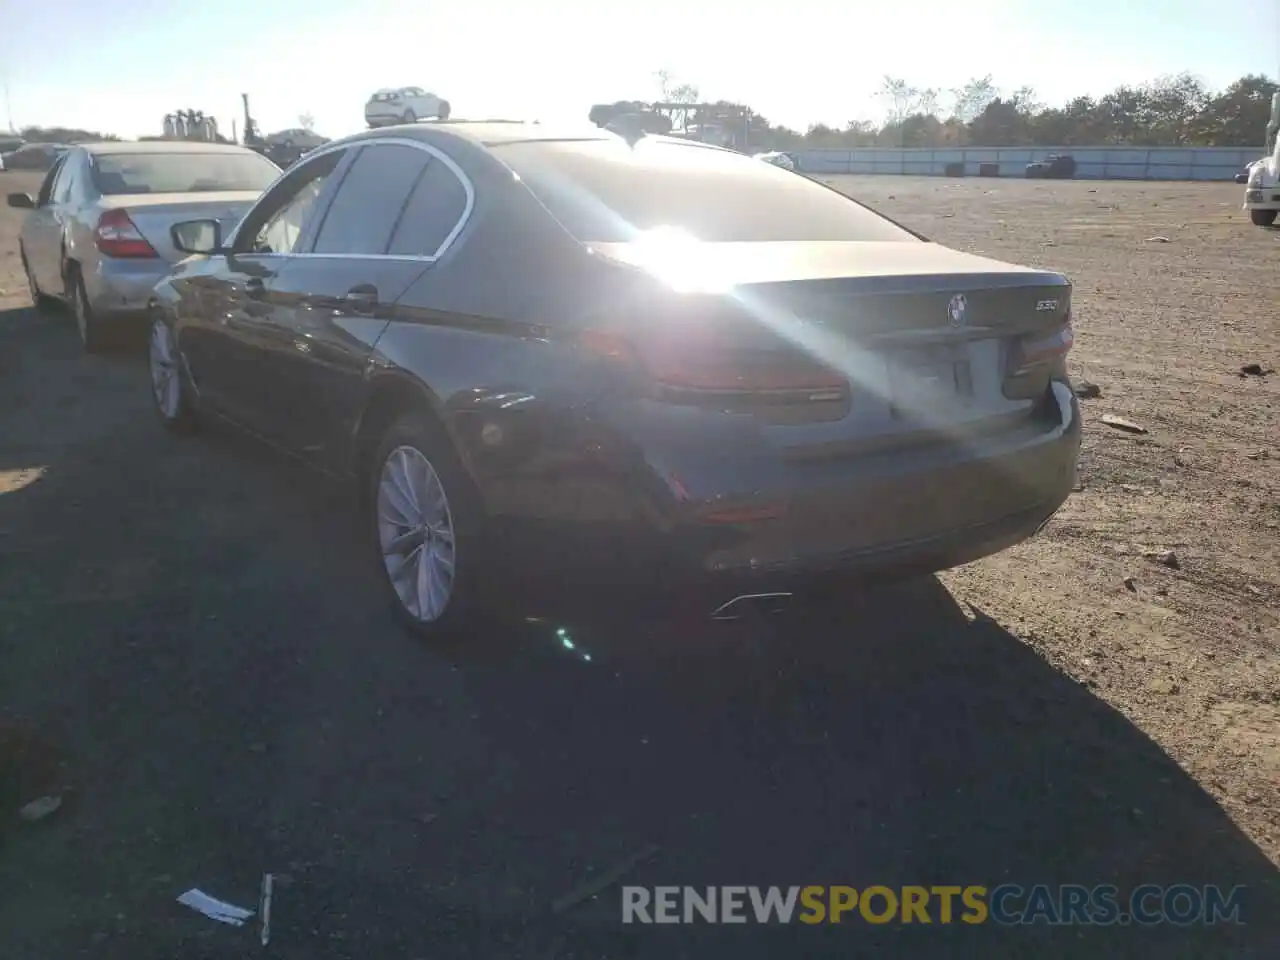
point(97, 235)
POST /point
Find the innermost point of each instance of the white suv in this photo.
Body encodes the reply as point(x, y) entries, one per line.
point(1262, 186)
point(403, 105)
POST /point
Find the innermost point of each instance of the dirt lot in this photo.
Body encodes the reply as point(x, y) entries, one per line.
point(196, 660)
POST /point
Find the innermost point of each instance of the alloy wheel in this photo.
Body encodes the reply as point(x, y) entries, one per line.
point(416, 533)
point(166, 384)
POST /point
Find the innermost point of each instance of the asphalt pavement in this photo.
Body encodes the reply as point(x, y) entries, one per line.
point(197, 659)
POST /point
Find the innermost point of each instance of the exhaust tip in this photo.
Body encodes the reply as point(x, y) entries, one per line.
point(741, 605)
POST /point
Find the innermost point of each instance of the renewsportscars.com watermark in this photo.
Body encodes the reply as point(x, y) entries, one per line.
point(1007, 904)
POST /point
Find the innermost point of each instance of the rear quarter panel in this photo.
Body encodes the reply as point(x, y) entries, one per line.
point(492, 314)
point(484, 333)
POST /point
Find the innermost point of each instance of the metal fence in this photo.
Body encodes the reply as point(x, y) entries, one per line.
point(1092, 163)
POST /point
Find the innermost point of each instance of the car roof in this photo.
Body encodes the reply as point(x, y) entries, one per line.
point(160, 146)
point(491, 133)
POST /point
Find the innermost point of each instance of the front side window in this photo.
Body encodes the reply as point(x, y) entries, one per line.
point(46, 186)
point(116, 174)
point(605, 191)
point(278, 224)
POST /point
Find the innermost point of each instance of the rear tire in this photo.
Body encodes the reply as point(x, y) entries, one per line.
point(442, 111)
point(1263, 218)
point(93, 337)
point(427, 530)
point(409, 117)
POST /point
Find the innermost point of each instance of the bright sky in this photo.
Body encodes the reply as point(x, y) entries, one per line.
point(120, 67)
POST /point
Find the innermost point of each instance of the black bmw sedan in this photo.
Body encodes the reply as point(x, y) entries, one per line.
point(660, 355)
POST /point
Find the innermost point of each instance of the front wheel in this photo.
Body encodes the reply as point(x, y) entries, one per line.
point(38, 299)
point(409, 117)
point(1262, 218)
point(169, 391)
point(428, 529)
point(442, 111)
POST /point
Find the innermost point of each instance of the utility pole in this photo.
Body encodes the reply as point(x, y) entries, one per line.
point(8, 106)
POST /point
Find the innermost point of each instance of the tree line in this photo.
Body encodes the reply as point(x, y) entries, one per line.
point(63, 135)
point(1171, 111)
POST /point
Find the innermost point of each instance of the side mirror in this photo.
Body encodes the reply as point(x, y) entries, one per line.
point(21, 201)
point(197, 236)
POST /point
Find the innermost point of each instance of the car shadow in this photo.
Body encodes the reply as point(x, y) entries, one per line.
point(893, 737)
point(194, 623)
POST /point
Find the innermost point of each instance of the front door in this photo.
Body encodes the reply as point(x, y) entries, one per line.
point(230, 347)
point(377, 236)
point(42, 235)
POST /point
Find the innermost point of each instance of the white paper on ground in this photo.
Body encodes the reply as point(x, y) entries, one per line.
point(215, 909)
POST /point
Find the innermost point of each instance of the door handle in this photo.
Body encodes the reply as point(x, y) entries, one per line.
point(362, 298)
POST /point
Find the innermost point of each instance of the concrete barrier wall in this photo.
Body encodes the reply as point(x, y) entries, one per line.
point(1092, 163)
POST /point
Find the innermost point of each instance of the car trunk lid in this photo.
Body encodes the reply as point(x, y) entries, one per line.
point(154, 213)
point(925, 343)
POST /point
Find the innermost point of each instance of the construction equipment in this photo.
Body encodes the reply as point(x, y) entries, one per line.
point(251, 135)
point(723, 124)
point(191, 125)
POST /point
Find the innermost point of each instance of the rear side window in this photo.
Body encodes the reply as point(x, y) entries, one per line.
point(435, 208)
point(368, 202)
point(607, 192)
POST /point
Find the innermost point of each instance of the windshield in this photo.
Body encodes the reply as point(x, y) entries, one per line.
point(131, 173)
point(607, 192)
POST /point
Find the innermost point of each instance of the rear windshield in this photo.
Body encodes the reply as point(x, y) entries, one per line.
point(130, 173)
point(606, 192)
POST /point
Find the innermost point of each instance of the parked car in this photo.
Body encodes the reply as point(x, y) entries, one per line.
point(97, 235)
point(1262, 193)
point(33, 156)
point(786, 161)
point(1056, 166)
point(713, 368)
point(404, 105)
point(296, 137)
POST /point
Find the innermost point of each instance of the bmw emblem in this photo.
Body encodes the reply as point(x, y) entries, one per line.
point(957, 307)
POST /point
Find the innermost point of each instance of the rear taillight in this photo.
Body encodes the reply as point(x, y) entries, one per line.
point(1036, 350)
point(698, 370)
point(117, 236)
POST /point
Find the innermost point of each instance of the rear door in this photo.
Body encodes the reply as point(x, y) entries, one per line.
point(228, 340)
point(397, 207)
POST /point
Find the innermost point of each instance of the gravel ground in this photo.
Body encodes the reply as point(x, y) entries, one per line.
point(198, 663)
